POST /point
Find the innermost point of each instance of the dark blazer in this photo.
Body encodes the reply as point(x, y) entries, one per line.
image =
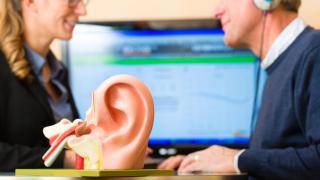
point(24, 111)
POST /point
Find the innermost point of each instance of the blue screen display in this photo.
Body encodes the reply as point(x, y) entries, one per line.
point(203, 90)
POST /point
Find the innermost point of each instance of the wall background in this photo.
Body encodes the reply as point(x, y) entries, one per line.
point(121, 10)
point(126, 10)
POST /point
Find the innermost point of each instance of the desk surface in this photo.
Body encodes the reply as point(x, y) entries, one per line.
point(133, 178)
point(184, 177)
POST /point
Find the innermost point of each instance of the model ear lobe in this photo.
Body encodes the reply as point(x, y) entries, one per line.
point(122, 118)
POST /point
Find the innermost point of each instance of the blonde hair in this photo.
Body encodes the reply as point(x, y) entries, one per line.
point(12, 38)
point(291, 5)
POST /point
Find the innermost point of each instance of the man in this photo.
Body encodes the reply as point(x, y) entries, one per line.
point(286, 141)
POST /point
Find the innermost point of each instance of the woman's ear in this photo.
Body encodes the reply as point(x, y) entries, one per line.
point(30, 6)
point(121, 117)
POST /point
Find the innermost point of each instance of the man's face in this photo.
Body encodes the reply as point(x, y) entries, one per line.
point(240, 20)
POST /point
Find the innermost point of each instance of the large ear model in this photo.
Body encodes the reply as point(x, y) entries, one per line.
point(121, 119)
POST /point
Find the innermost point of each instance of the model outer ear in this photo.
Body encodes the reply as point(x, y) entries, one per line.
point(121, 118)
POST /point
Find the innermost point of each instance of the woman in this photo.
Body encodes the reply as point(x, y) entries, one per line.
point(34, 90)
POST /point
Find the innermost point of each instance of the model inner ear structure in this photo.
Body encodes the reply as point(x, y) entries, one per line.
point(120, 120)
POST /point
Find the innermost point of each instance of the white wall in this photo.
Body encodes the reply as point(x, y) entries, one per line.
point(122, 10)
point(310, 11)
point(101, 10)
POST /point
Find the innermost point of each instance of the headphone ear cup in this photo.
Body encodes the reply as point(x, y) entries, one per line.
point(267, 5)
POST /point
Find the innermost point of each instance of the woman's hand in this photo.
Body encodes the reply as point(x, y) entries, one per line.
point(69, 159)
point(82, 129)
point(69, 155)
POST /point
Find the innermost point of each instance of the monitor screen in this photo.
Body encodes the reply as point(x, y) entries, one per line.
point(203, 91)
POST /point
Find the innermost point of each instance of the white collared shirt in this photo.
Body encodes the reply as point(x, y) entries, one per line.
point(283, 41)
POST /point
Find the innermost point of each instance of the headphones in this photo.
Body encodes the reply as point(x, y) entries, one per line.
point(267, 5)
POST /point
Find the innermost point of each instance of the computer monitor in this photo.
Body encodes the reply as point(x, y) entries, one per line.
point(203, 91)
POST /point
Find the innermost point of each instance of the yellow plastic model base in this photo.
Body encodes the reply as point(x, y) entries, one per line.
point(93, 173)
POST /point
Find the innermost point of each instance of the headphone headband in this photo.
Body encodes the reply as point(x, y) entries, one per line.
point(267, 5)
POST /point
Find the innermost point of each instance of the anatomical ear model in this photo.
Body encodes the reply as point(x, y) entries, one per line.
point(120, 119)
